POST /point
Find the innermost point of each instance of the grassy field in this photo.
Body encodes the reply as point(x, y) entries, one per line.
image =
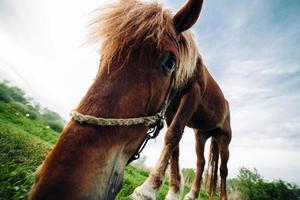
point(22, 148)
point(24, 143)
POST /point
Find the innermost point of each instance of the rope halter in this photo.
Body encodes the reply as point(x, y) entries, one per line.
point(99, 121)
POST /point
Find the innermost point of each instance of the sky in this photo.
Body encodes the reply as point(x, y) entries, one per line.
point(252, 49)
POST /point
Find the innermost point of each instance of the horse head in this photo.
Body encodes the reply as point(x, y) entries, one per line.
point(143, 48)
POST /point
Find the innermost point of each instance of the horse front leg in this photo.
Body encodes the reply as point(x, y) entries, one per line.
point(224, 154)
point(187, 106)
point(175, 181)
point(200, 139)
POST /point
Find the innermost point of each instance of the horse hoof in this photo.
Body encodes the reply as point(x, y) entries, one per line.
point(140, 196)
point(172, 196)
point(143, 192)
point(190, 196)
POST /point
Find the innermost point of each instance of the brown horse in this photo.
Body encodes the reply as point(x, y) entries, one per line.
point(146, 50)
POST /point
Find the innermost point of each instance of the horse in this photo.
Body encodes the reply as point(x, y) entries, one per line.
point(150, 70)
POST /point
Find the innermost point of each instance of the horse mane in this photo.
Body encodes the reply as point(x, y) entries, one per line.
point(130, 23)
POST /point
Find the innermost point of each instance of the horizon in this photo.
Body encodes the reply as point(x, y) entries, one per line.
point(252, 49)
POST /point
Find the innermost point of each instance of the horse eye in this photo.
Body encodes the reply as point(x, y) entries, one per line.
point(168, 63)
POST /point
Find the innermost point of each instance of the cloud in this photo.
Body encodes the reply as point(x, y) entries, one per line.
point(43, 46)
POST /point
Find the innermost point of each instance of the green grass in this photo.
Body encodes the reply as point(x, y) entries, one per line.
point(24, 143)
point(10, 118)
point(22, 149)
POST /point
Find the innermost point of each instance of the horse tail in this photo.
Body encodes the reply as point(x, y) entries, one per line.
point(213, 167)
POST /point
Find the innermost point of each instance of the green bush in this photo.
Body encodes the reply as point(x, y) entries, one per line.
point(52, 119)
point(21, 108)
point(32, 112)
point(56, 125)
point(4, 96)
point(18, 95)
point(49, 115)
point(252, 186)
point(10, 93)
point(27, 107)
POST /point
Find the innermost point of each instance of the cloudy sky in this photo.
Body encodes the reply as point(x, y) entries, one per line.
point(252, 48)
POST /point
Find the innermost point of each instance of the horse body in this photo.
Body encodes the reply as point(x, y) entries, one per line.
point(210, 118)
point(202, 106)
point(212, 107)
point(144, 48)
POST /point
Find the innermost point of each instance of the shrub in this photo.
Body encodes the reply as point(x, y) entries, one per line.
point(252, 186)
point(33, 113)
point(49, 115)
point(56, 125)
point(23, 109)
point(4, 96)
point(9, 94)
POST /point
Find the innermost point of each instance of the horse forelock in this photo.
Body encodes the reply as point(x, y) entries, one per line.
point(130, 23)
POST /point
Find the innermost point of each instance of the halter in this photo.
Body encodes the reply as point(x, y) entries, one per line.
point(154, 122)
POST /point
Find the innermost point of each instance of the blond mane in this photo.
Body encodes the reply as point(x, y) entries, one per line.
point(128, 23)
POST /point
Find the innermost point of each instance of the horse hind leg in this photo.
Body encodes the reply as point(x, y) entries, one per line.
point(175, 177)
point(223, 143)
point(200, 138)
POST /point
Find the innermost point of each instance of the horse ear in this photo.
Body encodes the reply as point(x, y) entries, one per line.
point(187, 16)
